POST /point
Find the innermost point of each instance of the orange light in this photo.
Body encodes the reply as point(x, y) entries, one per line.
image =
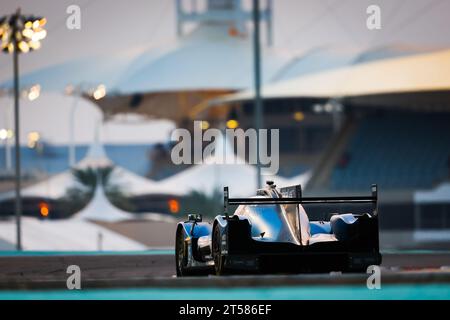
point(232, 31)
point(44, 209)
point(204, 125)
point(174, 206)
point(299, 116)
point(232, 124)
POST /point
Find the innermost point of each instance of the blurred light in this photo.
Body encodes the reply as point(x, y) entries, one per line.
point(5, 38)
point(328, 107)
point(232, 31)
point(318, 108)
point(42, 34)
point(299, 116)
point(27, 36)
point(28, 33)
point(44, 209)
point(39, 35)
point(204, 125)
point(33, 139)
point(69, 90)
point(34, 92)
point(174, 206)
point(23, 46)
point(100, 92)
point(3, 134)
point(10, 134)
point(232, 124)
point(18, 36)
point(34, 45)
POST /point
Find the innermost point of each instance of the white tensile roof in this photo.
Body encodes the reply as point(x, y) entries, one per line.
point(240, 177)
point(205, 178)
point(440, 194)
point(100, 209)
point(56, 186)
point(87, 72)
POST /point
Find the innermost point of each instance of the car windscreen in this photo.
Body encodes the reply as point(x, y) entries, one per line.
point(268, 222)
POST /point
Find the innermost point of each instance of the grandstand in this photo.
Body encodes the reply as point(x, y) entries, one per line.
point(404, 151)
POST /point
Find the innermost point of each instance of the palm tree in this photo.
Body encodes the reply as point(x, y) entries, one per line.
point(78, 197)
point(207, 205)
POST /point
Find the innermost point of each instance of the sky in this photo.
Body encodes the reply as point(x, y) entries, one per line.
point(111, 26)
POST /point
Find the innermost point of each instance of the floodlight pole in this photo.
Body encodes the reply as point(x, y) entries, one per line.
point(257, 105)
point(72, 150)
point(18, 202)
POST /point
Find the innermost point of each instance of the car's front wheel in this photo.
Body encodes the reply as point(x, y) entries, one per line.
point(219, 259)
point(180, 254)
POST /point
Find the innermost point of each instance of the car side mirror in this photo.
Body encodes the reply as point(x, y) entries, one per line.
point(195, 217)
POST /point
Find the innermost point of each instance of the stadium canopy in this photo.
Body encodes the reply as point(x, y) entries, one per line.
point(86, 72)
point(419, 73)
point(205, 63)
point(328, 58)
point(176, 80)
point(209, 63)
point(207, 58)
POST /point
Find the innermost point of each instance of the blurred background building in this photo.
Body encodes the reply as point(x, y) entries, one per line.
point(354, 106)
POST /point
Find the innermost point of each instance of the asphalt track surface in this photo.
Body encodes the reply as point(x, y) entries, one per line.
point(157, 269)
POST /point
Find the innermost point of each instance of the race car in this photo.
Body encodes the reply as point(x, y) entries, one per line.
point(271, 233)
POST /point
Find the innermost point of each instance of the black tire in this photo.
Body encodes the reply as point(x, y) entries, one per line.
point(219, 259)
point(180, 254)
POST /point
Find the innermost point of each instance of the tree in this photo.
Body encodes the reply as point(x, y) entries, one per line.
point(76, 198)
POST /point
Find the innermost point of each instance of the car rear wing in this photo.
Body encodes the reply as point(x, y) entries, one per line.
point(293, 195)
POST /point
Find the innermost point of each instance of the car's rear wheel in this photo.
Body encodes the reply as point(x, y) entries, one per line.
point(180, 254)
point(219, 259)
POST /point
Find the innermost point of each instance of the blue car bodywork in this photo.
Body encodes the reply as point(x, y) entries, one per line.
point(271, 232)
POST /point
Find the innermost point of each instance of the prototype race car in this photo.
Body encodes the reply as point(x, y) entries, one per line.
point(271, 232)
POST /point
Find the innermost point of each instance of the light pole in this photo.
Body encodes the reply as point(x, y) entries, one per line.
point(257, 106)
point(19, 34)
point(6, 133)
point(77, 92)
